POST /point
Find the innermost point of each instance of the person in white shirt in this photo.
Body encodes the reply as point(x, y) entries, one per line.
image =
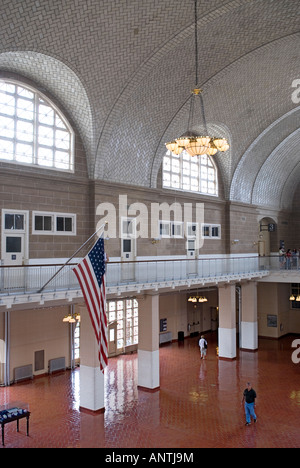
point(203, 347)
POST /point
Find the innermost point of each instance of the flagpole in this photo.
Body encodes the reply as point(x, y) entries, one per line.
point(74, 254)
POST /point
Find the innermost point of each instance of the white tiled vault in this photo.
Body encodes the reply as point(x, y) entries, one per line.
point(123, 71)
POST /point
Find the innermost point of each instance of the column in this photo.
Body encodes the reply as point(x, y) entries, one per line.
point(91, 378)
point(148, 349)
point(249, 326)
point(227, 322)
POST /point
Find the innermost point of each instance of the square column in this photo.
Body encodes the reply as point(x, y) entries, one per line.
point(249, 325)
point(148, 349)
point(227, 322)
point(91, 377)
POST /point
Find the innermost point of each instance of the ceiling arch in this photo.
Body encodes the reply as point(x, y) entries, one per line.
point(124, 70)
point(51, 75)
point(282, 165)
point(270, 161)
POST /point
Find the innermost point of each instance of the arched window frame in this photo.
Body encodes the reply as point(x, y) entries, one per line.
point(197, 174)
point(33, 131)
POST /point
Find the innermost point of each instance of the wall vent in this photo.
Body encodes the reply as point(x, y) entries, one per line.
point(39, 360)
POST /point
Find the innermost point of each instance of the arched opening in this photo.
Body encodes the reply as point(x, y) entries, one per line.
point(268, 241)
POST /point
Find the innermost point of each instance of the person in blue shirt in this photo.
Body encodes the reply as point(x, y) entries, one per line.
point(249, 397)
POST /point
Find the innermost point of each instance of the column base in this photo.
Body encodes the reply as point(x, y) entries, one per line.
point(93, 413)
point(249, 338)
point(148, 369)
point(91, 389)
point(227, 343)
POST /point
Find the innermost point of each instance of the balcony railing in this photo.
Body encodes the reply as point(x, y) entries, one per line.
point(29, 279)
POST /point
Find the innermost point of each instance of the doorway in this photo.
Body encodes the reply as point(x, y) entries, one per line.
point(192, 251)
point(112, 339)
point(128, 249)
point(267, 242)
point(14, 245)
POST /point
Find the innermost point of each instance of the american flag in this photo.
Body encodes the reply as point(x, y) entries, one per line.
point(90, 273)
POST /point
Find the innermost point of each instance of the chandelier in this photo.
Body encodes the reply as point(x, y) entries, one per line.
point(192, 143)
point(195, 299)
point(72, 318)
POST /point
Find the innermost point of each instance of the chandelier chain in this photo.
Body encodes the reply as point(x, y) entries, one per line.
point(196, 44)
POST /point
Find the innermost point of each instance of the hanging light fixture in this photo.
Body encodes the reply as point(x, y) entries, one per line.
point(295, 297)
point(72, 318)
point(195, 299)
point(193, 144)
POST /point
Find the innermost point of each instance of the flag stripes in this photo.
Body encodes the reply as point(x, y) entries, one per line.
point(90, 273)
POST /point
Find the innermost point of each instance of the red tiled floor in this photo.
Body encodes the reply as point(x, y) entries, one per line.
point(198, 405)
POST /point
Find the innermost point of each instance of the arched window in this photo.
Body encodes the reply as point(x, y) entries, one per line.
point(32, 130)
point(193, 174)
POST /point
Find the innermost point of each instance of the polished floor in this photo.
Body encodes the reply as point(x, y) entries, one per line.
point(198, 404)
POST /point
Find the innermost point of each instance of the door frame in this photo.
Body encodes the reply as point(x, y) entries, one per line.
point(112, 326)
point(22, 232)
point(128, 269)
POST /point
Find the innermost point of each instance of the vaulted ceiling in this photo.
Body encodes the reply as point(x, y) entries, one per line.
point(124, 70)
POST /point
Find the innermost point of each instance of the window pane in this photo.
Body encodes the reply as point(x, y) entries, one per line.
point(47, 223)
point(13, 245)
point(9, 221)
point(38, 223)
point(7, 104)
point(7, 127)
point(46, 136)
point(7, 87)
point(45, 157)
point(24, 153)
point(24, 131)
point(25, 109)
point(206, 231)
point(60, 224)
point(62, 160)
point(46, 114)
point(59, 123)
point(68, 225)
point(62, 139)
point(215, 232)
point(19, 222)
point(6, 150)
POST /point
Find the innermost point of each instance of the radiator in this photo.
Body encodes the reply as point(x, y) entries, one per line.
point(57, 364)
point(165, 337)
point(24, 372)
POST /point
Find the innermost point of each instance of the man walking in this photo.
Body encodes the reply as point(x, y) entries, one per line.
point(203, 347)
point(249, 397)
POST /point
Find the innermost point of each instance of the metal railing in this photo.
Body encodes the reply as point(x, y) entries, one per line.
point(31, 278)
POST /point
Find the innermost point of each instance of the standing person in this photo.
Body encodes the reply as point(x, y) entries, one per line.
point(249, 397)
point(203, 347)
point(281, 257)
point(288, 257)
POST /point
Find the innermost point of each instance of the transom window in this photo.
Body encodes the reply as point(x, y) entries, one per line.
point(193, 174)
point(32, 130)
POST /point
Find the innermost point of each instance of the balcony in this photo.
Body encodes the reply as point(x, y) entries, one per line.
point(25, 285)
